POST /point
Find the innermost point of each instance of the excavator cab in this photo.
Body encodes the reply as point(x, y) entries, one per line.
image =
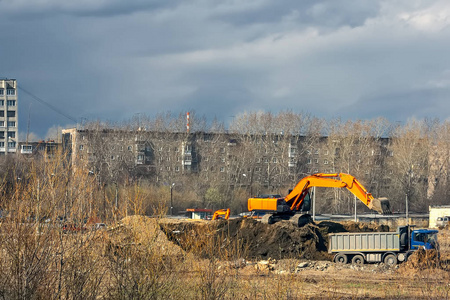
point(306, 205)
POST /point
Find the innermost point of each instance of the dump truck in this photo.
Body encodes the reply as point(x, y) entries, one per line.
point(294, 206)
point(388, 247)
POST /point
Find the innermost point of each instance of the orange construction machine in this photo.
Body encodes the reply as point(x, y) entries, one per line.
point(221, 214)
point(294, 206)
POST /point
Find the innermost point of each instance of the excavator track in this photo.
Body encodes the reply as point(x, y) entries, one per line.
point(298, 220)
point(301, 220)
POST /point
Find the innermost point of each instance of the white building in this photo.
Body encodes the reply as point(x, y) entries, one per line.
point(8, 116)
point(436, 212)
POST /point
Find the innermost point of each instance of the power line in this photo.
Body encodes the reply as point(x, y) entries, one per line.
point(55, 109)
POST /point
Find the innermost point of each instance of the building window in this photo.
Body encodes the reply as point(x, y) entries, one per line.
point(10, 92)
point(222, 150)
point(81, 148)
point(274, 160)
point(11, 102)
point(2, 113)
point(2, 144)
point(130, 148)
point(325, 162)
point(11, 134)
point(2, 91)
point(160, 149)
point(325, 152)
point(11, 114)
point(308, 161)
point(140, 157)
point(177, 169)
point(316, 161)
point(176, 149)
point(223, 159)
point(222, 169)
point(2, 102)
point(10, 124)
point(2, 123)
point(11, 144)
point(112, 157)
point(316, 152)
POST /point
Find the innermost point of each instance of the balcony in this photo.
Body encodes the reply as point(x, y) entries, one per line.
point(26, 151)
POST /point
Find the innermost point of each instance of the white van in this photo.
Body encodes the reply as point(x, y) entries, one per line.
point(442, 222)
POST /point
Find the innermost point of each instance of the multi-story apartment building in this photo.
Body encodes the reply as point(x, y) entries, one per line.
point(258, 162)
point(8, 116)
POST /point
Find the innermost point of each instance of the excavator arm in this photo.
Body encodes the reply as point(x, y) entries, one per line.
point(338, 180)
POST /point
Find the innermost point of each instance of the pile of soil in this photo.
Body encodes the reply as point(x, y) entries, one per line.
point(251, 239)
point(142, 231)
point(421, 260)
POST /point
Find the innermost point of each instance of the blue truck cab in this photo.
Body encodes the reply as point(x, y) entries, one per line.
point(424, 239)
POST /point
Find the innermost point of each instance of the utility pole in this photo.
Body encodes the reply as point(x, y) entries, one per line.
point(314, 203)
point(407, 211)
point(171, 199)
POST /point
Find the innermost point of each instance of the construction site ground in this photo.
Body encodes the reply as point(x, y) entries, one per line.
point(249, 259)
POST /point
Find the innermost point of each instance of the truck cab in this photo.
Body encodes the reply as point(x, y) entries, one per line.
point(424, 239)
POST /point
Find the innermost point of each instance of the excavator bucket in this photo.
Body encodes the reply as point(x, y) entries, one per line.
point(381, 205)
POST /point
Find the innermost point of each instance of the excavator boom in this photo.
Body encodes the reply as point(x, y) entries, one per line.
point(338, 180)
point(291, 206)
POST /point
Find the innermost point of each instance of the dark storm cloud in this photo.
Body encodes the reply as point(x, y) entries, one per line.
point(329, 13)
point(102, 8)
point(418, 104)
point(112, 59)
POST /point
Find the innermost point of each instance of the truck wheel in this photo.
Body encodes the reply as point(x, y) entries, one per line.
point(340, 258)
point(358, 260)
point(390, 260)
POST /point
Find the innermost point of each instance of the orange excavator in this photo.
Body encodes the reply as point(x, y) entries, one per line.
point(294, 206)
point(221, 214)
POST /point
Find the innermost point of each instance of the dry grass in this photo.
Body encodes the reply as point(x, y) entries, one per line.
point(134, 259)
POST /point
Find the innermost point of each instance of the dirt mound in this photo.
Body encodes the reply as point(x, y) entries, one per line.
point(251, 239)
point(280, 240)
point(144, 231)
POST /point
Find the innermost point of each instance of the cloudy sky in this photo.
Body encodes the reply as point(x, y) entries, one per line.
point(112, 59)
